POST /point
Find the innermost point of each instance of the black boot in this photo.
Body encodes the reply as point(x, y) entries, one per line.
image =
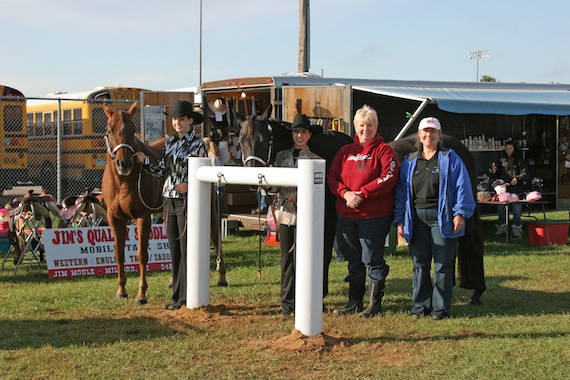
point(375, 306)
point(355, 295)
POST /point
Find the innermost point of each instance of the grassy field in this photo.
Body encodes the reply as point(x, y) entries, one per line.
point(75, 329)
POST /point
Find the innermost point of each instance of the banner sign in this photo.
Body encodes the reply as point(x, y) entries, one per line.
point(72, 252)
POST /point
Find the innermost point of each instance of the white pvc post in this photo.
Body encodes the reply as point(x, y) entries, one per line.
point(198, 237)
point(309, 179)
point(309, 247)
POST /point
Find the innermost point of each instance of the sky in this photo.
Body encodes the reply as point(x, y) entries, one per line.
point(76, 45)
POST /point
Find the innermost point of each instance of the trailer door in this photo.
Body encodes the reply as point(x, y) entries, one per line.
point(330, 106)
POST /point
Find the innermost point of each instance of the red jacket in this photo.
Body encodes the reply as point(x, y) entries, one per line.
point(372, 169)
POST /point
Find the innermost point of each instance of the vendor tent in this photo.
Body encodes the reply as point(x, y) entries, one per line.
point(501, 99)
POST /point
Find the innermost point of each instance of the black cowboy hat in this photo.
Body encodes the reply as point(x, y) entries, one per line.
point(184, 108)
point(301, 121)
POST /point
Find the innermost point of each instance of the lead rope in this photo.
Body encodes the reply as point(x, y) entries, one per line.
point(259, 188)
point(140, 193)
point(219, 221)
point(160, 207)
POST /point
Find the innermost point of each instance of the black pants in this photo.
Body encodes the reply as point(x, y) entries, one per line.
point(176, 230)
point(286, 241)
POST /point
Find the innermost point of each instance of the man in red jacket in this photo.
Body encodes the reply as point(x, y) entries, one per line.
point(363, 176)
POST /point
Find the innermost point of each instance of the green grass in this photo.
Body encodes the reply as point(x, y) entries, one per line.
point(73, 328)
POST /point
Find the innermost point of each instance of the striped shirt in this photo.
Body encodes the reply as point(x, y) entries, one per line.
point(173, 163)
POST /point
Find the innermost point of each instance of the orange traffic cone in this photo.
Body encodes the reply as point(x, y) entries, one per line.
point(271, 238)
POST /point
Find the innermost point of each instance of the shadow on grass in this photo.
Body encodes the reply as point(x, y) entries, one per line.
point(79, 332)
point(33, 275)
point(461, 335)
point(499, 299)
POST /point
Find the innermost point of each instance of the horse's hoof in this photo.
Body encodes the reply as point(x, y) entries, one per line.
point(141, 302)
point(121, 296)
point(222, 283)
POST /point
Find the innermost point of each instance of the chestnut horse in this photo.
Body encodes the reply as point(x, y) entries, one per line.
point(125, 195)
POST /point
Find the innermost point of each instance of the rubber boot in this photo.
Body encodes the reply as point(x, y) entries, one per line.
point(375, 306)
point(517, 231)
point(356, 292)
point(500, 229)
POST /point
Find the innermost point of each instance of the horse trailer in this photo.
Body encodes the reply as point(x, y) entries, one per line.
point(484, 115)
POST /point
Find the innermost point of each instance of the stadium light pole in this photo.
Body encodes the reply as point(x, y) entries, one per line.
point(479, 54)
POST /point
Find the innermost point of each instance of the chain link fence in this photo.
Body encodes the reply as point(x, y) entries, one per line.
point(56, 143)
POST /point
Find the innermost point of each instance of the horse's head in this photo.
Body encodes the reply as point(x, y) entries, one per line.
point(255, 139)
point(120, 138)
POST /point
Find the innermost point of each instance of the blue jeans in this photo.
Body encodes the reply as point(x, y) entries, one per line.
point(427, 243)
point(515, 208)
point(361, 243)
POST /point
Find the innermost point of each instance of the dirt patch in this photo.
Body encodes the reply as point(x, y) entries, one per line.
point(296, 341)
point(220, 315)
point(392, 354)
point(213, 314)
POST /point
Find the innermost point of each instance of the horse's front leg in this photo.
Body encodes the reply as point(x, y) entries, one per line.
point(143, 225)
point(119, 228)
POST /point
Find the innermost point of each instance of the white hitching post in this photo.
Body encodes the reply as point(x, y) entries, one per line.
point(198, 237)
point(309, 179)
point(309, 248)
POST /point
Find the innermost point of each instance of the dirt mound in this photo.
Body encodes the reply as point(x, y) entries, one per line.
point(296, 341)
point(208, 313)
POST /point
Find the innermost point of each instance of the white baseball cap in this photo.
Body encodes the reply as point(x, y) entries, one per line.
point(429, 122)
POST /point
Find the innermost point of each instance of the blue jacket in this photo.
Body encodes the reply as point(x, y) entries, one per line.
point(456, 194)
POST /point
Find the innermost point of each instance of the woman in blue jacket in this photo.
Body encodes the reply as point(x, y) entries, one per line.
point(433, 199)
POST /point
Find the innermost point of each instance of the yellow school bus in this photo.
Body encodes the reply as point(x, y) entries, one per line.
point(13, 135)
point(66, 137)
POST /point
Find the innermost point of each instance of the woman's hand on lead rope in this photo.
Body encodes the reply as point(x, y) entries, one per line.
point(293, 198)
point(458, 223)
point(353, 198)
point(139, 157)
point(181, 188)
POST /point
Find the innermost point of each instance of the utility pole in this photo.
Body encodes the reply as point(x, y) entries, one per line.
point(304, 34)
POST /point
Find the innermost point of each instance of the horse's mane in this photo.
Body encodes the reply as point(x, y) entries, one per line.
point(281, 137)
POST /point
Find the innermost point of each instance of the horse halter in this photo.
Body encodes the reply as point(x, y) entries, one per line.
point(112, 151)
point(259, 159)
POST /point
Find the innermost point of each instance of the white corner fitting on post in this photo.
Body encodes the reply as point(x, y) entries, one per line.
point(309, 178)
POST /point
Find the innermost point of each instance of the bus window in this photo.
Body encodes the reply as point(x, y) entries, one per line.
point(67, 122)
point(77, 122)
point(30, 118)
point(99, 121)
point(48, 124)
point(13, 119)
point(36, 129)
